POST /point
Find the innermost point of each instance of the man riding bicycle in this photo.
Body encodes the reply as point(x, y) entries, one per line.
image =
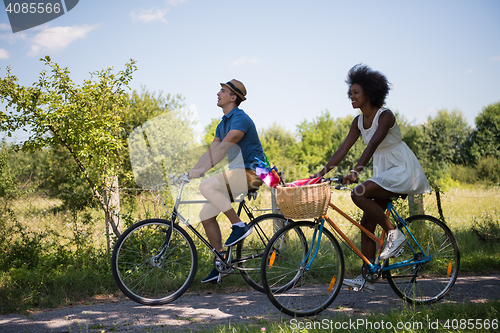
point(236, 137)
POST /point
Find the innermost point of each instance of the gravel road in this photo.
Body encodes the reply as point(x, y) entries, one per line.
point(192, 311)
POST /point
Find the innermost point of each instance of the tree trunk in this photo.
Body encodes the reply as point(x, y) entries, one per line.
point(416, 204)
point(112, 209)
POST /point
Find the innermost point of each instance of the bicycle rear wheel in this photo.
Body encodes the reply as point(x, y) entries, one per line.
point(297, 280)
point(249, 252)
point(426, 283)
point(142, 273)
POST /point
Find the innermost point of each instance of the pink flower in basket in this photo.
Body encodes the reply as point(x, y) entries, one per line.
point(267, 177)
point(305, 181)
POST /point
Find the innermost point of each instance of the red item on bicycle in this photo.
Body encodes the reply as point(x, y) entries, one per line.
point(305, 181)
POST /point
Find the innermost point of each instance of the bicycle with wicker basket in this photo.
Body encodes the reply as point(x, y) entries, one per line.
point(303, 275)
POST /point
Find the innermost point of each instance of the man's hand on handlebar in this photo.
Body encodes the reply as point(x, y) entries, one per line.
point(195, 173)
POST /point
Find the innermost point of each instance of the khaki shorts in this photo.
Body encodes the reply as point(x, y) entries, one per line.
point(238, 182)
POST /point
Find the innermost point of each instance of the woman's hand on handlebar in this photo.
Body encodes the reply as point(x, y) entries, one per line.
point(349, 179)
point(316, 175)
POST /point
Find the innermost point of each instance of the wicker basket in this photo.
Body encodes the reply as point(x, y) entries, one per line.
point(303, 202)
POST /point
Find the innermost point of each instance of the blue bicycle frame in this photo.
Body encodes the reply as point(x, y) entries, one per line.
point(373, 268)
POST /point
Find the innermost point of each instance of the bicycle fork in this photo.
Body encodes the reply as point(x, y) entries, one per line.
point(315, 245)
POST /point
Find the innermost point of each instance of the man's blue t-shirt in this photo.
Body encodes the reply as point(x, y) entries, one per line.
point(249, 145)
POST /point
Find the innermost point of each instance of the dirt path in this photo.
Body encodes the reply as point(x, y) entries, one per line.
point(191, 311)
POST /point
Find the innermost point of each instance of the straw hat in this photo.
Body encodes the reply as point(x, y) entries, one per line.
point(237, 87)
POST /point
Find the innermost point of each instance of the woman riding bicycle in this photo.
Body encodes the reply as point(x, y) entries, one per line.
point(396, 170)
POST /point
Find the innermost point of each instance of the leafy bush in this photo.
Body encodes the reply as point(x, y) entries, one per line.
point(464, 174)
point(488, 169)
point(44, 267)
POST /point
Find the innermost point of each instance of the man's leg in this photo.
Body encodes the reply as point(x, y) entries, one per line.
point(214, 236)
point(211, 225)
point(218, 196)
point(215, 190)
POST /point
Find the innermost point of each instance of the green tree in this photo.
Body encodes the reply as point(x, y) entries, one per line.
point(319, 139)
point(278, 144)
point(29, 168)
point(85, 120)
point(210, 130)
point(141, 107)
point(8, 182)
point(412, 135)
point(164, 145)
point(145, 105)
point(447, 138)
point(486, 136)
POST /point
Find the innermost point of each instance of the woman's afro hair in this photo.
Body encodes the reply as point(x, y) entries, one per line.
point(374, 84)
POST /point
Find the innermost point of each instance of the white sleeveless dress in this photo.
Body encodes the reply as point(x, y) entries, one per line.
point(395, 167)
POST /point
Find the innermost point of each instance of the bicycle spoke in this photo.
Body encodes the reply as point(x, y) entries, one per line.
point(141, 274)
point(289, 286)
point(251, 249)
point(430, 281)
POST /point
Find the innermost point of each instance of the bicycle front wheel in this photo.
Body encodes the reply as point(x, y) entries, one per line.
point(250, 251)
point(146, 269)
point(425, 283)
point(302, 278)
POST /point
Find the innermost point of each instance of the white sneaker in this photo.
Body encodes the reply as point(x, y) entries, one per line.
point(395, 241)
point(360, 284)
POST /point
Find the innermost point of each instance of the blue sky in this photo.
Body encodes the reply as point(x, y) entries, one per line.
point(292, 56)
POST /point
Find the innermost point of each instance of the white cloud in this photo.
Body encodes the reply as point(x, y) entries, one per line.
point(7, 34)
point(495, 58)
point(244, 61)
point(149, 15)
point(58, 38)
point(176, 2)
point(4, 54)
point(469, 71)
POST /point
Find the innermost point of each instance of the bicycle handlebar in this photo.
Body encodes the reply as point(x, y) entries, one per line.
point(181, 178)
point(339, 181)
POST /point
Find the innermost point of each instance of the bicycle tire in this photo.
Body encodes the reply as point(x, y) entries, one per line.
point(292, 289)
point(249, 252)
point(147, 280)
point(428, 282)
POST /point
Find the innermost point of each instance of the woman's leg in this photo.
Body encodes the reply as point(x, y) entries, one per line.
point(373, 200)
point(368, 246)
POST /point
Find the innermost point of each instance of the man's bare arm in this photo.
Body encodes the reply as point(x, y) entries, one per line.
point(215, 153)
